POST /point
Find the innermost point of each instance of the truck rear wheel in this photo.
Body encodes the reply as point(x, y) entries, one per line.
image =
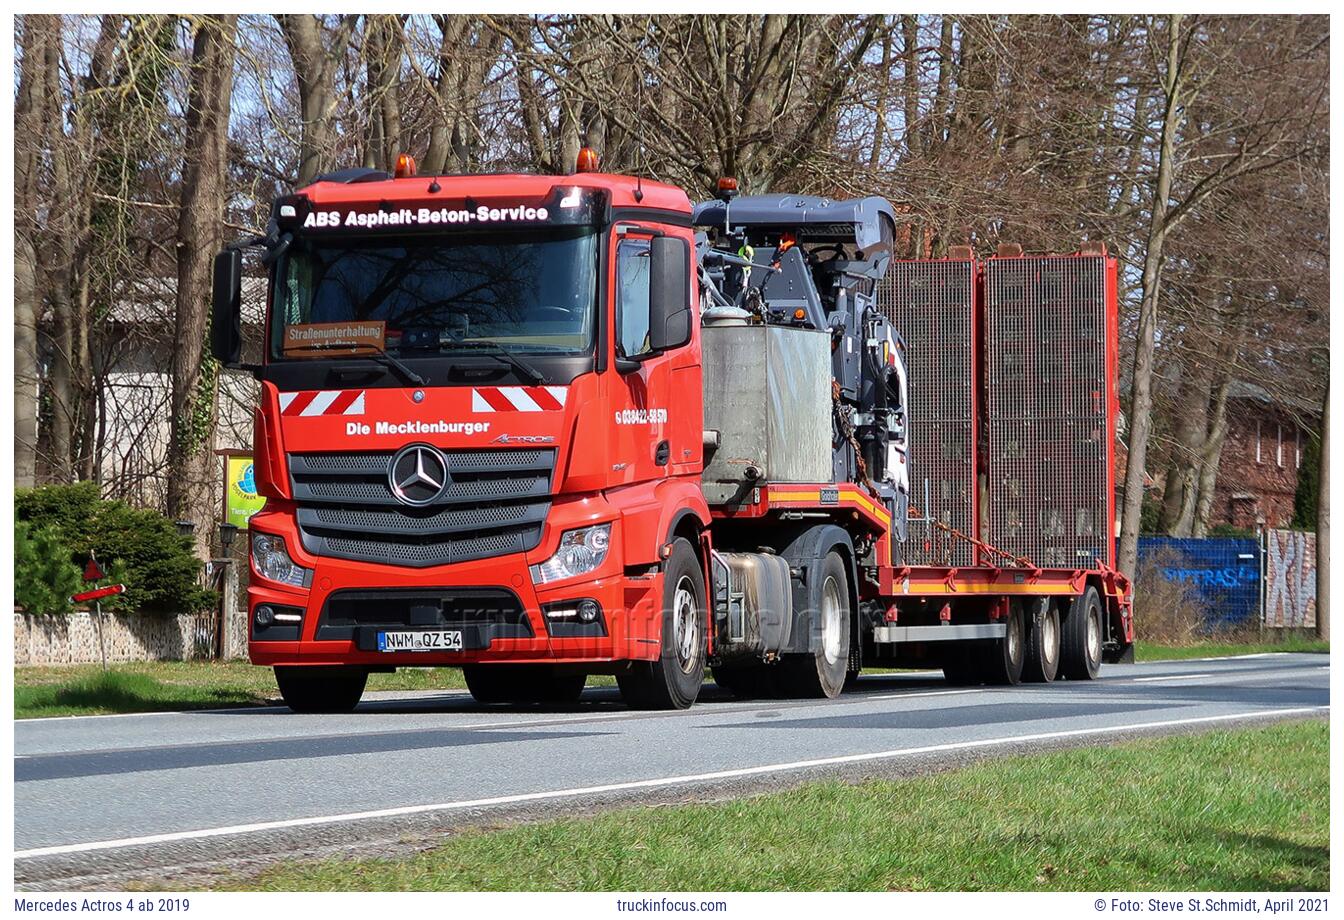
point(522, 683)
point(321, 688)
point(1043, 644)
point(673, 680)
point(1081, 638)
point(821, 673)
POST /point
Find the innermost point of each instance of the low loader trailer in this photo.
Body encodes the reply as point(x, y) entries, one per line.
point(541, 427)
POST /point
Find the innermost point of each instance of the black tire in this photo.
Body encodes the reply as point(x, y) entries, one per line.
point(750, 681)
point(821, 673)
point(1043, 642)
point(1003, 658)
point(1081, 638)
point(673, 680)
point(522, 683)
point(321, 688)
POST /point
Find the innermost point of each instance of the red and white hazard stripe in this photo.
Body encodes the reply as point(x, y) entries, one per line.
point(323, 402)
point(517, 399)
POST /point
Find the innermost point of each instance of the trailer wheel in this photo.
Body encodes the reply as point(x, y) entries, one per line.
point(1004, 658)
point(673, 680)
point(1042, 662)
point(822, 673)
point(1081, 638)
point(521, 683)
point(321, 688)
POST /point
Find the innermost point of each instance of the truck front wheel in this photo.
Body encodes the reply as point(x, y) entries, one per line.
point(821, 673)
point(321, 689)
point(673, 680)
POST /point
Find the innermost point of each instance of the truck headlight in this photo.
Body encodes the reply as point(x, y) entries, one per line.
point(271, 560)
point(581, 551)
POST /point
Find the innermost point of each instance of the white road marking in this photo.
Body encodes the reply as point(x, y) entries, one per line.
point(920, 695)
point(1166, 677)
point(160, 712)
point(642, 784)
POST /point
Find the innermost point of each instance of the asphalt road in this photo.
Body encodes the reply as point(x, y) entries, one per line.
point(98, 798)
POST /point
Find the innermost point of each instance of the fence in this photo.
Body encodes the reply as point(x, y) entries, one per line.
point(1222, 575)
point(1241, 582)
point(1290, 579)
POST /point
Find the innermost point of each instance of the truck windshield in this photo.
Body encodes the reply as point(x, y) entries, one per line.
point(524, 291)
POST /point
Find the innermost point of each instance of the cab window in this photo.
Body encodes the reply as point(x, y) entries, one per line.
point(632, 298)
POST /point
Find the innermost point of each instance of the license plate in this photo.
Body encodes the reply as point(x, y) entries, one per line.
point(431, 640)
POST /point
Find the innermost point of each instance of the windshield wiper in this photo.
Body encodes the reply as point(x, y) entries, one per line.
point(405, 371)
point(525, 370)
point(379, 355)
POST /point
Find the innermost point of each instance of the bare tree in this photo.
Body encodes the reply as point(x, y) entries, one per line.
point(193, 474)
point(315, 57)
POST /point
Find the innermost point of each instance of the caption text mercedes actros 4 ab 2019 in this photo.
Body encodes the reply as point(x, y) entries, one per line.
point(542, 427)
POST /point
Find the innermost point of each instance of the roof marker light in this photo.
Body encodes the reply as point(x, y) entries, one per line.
point(405, 166)
point(586, 161)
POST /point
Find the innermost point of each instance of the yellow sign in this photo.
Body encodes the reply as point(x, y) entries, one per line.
point(241, 500)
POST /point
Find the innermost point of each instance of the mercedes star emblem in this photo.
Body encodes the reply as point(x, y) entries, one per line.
point(418, 474)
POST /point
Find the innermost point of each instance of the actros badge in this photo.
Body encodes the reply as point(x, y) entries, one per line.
point(418, 474)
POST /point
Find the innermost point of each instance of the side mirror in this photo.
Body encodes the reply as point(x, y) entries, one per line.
point(669, 293)
point(226, 321)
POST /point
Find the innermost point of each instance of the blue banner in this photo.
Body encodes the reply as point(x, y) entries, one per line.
point(1222, 572)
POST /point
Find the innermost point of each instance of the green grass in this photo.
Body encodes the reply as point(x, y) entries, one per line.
point(1244, 810)
point(151, 686)
point(1151, 651)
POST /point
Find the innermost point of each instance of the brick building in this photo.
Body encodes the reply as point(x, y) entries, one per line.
point(1262, 454)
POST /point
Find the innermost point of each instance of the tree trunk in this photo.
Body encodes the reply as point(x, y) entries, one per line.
point(1323, 525)
point(29, 114)
point(193, 478)
point(315, 74)
point(1141, 404)
point(910, 67)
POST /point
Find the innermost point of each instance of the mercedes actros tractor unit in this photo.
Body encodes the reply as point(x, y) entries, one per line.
point(540, 427)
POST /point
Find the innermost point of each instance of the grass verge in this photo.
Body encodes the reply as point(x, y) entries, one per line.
point(1155, 651)
point(153, 686)
point(1243, 810)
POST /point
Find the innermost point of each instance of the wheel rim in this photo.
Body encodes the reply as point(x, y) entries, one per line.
point(1093, 638)
point(1050, 638)
point(1013, 637)
point(685, 625)
point(830, 620)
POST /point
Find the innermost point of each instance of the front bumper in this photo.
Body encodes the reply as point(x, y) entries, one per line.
point(630, 622)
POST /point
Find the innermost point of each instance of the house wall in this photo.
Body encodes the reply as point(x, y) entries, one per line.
point(1256, 482)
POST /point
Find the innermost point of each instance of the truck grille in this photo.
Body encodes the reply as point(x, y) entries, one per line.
point(496, 505)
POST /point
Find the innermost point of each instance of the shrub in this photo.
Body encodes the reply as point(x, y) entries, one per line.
point(1166, 612)
point(44, 575)
point(138, 547)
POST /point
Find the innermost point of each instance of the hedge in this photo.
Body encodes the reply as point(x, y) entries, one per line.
point(136, 546)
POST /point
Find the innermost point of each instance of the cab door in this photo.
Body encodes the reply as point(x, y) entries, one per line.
point(656, 398)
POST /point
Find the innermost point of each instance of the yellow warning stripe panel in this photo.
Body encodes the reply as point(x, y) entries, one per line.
point(812, 496)
point(917, 588)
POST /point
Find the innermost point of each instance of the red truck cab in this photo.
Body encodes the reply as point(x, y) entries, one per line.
point(479, 436)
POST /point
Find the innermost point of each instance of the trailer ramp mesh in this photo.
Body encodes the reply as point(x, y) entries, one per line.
point(932, 305)
point(1046, 408)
